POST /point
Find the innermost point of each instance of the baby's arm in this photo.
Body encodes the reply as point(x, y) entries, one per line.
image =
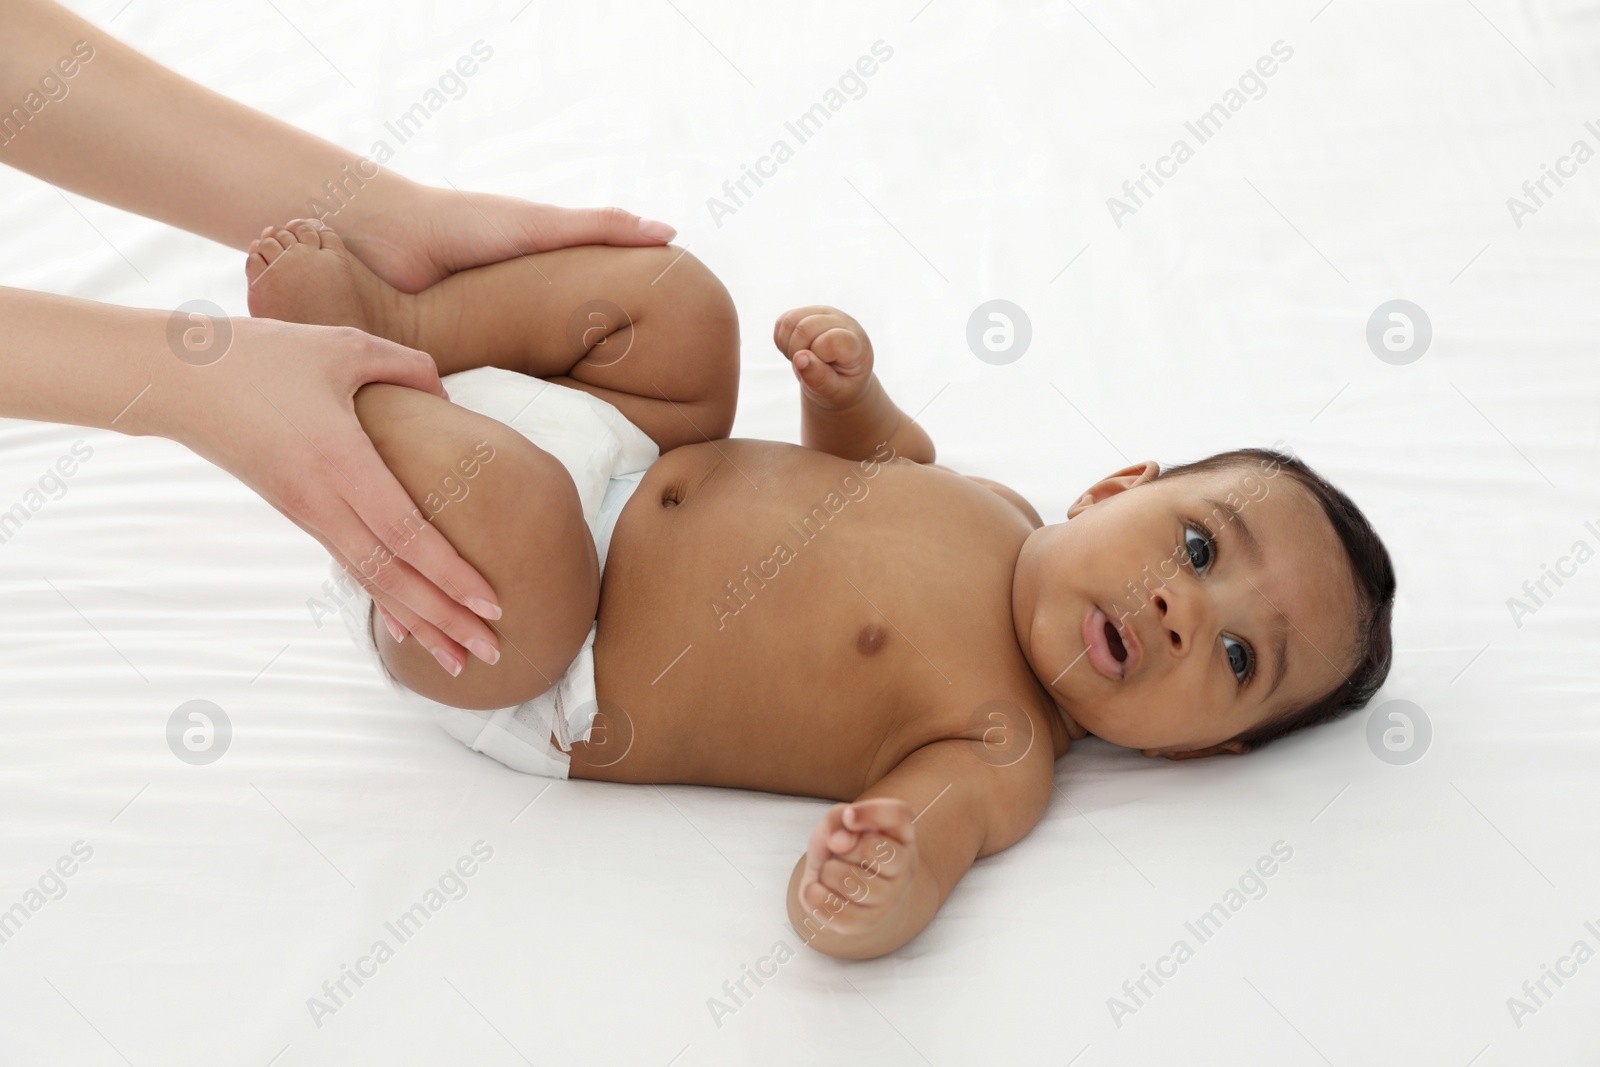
point(844, 408)
point(877, 870)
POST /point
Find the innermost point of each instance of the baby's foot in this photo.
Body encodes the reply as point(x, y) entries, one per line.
point(302, 272)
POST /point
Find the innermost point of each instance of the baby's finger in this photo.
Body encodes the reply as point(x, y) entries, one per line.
point(847, 880)
point(839, 345)
point(818, 848)
point(823, 905)
point(815, 374)
point(881, 857)
point(785, 330)
point(821, 381)
point(889, 816)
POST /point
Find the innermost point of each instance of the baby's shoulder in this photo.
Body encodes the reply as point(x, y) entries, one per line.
point(1004, 492)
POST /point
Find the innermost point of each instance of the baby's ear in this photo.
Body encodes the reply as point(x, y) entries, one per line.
point(1117, 482)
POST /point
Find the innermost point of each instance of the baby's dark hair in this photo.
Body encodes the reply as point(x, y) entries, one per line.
point(1374, 583)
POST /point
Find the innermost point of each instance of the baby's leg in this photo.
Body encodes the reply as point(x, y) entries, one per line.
point(650, 330)
point(519, 522)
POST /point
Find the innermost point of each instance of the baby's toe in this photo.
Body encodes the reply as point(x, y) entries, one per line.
point(263, 253)
point(329, 239)
point(306, 231)
point(269, 248)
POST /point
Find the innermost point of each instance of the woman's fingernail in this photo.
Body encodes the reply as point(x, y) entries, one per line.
point(484, 651)
point(396, 631)
point(657, 231)
point(483, 609)
point(448, 662)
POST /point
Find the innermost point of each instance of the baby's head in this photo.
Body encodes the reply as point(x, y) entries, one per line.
point(1210, 607)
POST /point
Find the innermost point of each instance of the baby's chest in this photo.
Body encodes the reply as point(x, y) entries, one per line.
point(858, 574)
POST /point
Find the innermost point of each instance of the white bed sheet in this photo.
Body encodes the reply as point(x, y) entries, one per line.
point(1229, 309)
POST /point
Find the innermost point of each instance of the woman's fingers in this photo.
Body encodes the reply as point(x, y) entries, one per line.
point(564, 227)
point(385, 361)
point(428, 635)
point(279, 414)
point(392, 624)
point(443, 626)
point(402, 529)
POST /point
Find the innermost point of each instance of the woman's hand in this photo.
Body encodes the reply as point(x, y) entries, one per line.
point(166, 148)
point(413, 235)
point(278, 412)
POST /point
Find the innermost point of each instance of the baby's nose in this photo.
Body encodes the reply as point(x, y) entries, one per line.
point(1167, 618)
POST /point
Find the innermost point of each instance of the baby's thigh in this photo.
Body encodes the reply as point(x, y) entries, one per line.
point(517, 518)
point(651, 331)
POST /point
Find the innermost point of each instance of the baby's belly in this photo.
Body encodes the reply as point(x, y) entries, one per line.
point(752, 624)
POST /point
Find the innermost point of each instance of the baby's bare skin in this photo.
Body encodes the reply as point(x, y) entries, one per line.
point(844, 620)
point(745, 654)
point(780, 618)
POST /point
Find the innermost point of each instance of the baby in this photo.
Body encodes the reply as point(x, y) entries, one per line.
point(845, 620)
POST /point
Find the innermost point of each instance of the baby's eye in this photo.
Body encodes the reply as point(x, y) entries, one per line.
point(1239, 659)
point(1201, 548)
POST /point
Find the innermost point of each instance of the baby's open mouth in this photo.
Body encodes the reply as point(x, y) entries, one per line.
point(1114, 640)
point(1104, 645)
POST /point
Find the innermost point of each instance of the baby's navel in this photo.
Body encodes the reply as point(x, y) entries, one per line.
point(871, 638)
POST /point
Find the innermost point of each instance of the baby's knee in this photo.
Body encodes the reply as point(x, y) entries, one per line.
point(509, 509)
point(699, 312)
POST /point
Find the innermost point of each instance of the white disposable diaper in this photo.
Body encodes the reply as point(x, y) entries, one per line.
point(607, 457)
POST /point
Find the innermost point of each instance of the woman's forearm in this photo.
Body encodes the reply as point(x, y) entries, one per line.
point(74, 361)
point(126, 131)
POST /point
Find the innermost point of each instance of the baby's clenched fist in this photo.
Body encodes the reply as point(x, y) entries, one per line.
point(858, 868)
point(829, 352)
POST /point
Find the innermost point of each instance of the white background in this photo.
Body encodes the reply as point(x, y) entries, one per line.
point(1230, 310)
